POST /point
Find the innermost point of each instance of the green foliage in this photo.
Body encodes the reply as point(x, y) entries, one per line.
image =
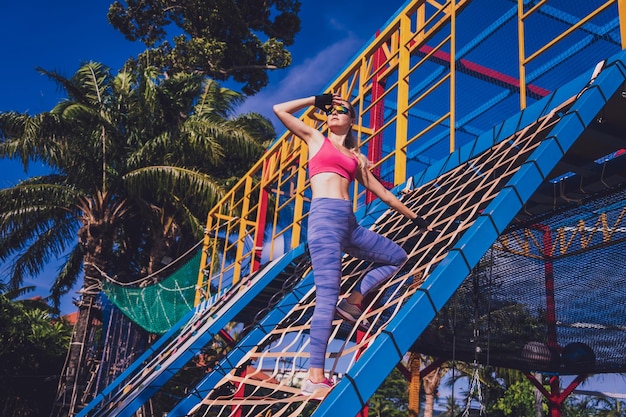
point(610, 407)
point(137, 159)
point(391, 399)
point(32, 349)
point(137, 162)
point(517, 400)
point(238, 39)
point(575, 407)
point(588, 406)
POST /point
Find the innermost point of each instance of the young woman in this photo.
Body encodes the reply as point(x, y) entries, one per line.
point(334, 162)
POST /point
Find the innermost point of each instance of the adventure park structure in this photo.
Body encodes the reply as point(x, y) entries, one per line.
point(502, 123)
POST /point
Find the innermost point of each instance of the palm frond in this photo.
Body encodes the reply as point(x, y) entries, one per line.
point(203, 141)
point(92, 78)
point(257, 126)
point(171, 180)
point(29, 138)
point(14, 293)
point(40, 250)
point(68, 275)
point(189, 217)
point(154, 150)
point(217, 103)
point(11, 125)
point(30, 210)
point(63, 82)
point(77, 113)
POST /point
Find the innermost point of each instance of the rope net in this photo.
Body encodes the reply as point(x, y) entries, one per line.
point(157, 307)
point(551, 296)
point(266, 381)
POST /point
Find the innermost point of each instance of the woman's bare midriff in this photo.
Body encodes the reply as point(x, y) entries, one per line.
point(330, 185)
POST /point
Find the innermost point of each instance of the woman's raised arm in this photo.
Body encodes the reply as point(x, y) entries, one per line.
point(284, 112)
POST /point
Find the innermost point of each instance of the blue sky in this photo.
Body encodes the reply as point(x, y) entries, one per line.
point(61, 35)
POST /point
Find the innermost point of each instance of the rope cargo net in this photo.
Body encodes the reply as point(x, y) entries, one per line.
point(157, 306)
point(547, 297)
point(267, 380)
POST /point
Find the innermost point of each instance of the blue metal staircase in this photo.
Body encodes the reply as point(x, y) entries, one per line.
point(362, 380)
point(173, 350)
point(554, 125)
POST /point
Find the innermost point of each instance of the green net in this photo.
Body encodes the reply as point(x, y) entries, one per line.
point(157, 307)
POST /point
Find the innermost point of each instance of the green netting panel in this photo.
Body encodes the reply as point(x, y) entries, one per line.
point(158, 307)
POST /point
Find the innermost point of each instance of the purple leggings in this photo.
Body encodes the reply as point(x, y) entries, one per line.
point(333, 230)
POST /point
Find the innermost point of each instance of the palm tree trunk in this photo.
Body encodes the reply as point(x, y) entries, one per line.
point(431, 385)
point(538, 396)
point(429, 405)
point(81, 364)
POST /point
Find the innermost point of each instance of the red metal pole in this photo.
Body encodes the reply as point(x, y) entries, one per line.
point(553, 345)
point(359, 338)
point(377, 116)
point(260, 221)
point(240, 393)
point(548, 269)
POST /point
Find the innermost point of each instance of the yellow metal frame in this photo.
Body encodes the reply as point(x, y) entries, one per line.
point(523, 15)
point(275, 193)
point(566, 241)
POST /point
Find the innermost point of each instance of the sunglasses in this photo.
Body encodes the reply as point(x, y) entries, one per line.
point(340, 109)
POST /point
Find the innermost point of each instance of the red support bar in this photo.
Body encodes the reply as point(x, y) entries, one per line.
point(496, 77)
point(428, 369)
point(359, 338)
point(552, 342)
point(377, 117)
point(554, 401)
point(240, 393)
point(260, 221)
point(227, 338)
point(556, 397)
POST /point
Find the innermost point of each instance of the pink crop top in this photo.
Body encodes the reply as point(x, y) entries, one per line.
point(330, 159)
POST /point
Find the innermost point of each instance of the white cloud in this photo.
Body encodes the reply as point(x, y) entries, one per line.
point(305, 79)
point(338, 25)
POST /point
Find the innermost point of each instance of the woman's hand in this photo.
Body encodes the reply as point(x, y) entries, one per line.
point(322, 101)
point(326, 100)
point(421, 223)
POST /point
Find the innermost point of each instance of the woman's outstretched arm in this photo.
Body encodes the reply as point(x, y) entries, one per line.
point(370, 182)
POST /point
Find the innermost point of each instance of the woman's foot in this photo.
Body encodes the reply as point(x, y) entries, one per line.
point(352, 313)
point(317, 389)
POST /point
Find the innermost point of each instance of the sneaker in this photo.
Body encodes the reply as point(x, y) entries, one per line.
point(351, 313)
point(319, 389)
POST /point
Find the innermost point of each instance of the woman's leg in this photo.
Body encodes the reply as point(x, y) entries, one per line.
point(328, 229)
point(370, 246)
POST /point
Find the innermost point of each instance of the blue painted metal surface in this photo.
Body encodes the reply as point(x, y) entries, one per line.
point(138, 364)
point(252, 339)
point(203, 330)
point(351, 393)
point(505, 129)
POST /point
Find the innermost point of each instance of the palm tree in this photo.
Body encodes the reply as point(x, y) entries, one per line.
point(610, 407)
point(379, 407)
point(431, 384)
point(452, 407)
point(136, 162)
point(579, 406)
